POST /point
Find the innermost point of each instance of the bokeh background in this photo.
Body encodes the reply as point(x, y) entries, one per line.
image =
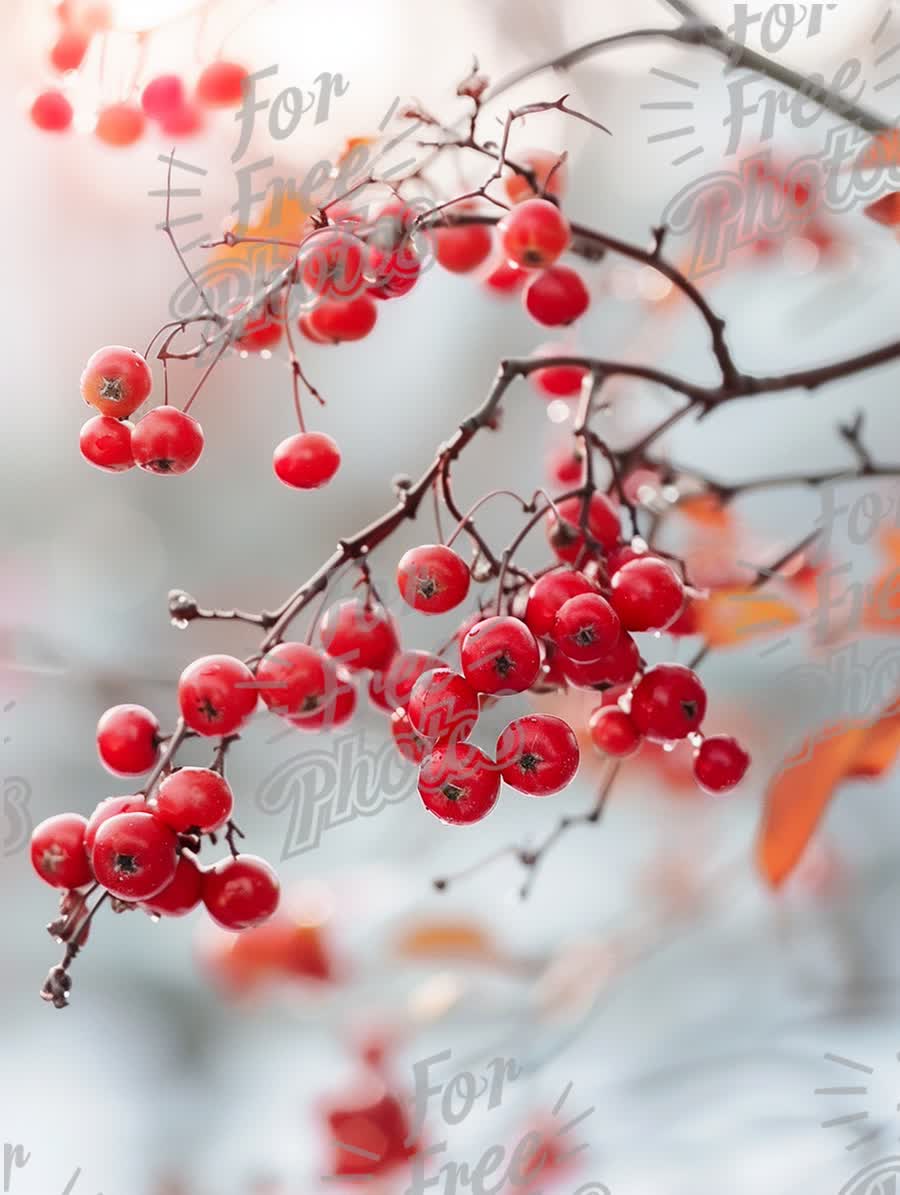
point(650, 968)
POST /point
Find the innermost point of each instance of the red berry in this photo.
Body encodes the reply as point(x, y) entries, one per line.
point(618, 667)
point(116, 381)
point(720, 763)
point(550, 175)
point(167, 441)
point(668, 703)
point(111, 807)
point(338, 705)
point(308, 331)
point(295, 679)
point(221, 85)
point(459, 784)
point(647, 594)
point(565, 536)
point(613, 732)
point(163, 96)
point(390, 689)
point(120, 124)
point(620, 556)
point(106, 443)
point(182, 894)
point(240, 893)
point(504, 279)
point(134, 856)
point(69, 50)
point(359, 634)
point(332, 264)
point(500, 656)
point(463, 248)
point(557, 381)
point(256, 330)
point(306, 460)
point(52, 112)
point(443, 705)
point(128, 740)
point(556, 296)
point(548, 594)
point(395, 271)
point(538, 754)
point(432, 578)
point(586, 628)
point(687, 622)
point(183, 121)
point(337, 321)
point(534, 234)
point(57, 851)
point(194, 799)
point(565, 467)
point(217, 695)
point(408, 741)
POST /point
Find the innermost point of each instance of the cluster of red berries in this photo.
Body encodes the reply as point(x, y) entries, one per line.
point(165, 101)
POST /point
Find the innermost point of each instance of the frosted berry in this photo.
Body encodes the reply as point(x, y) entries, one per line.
point(534, 234)
point(538, 754)
point(116, 380)
point(182, 894)
point(194, 799)
point(240, 893)
point(432, 578)
point(221, 85)
point(390, 689)
point(668, 703)
point(565, 535)
point(459, 784)
point(720, 763)
point(442, 705)
point(51, 112)
point(500, 655)
point(217, 694)
point(586, 628)
point(58, 853)
point(556, 296)
point(548, 594)
point(128, 740)
point(613, 732)
point(647, 594)
point(134, 856)
point(105, 443)
point(359, 634)
point(167, 441)
point(306, 460)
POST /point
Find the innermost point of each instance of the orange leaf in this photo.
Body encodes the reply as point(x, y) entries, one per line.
point(443, 939)
point(880, 748)
point(736, 614)
point(707, 511)
point(883, 150)
point(885, 210)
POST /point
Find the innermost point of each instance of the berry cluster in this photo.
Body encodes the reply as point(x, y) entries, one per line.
point(166, 101)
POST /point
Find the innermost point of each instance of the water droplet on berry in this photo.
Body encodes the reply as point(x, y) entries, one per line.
point(669, 746)
point(695, 738)
point(670, 493)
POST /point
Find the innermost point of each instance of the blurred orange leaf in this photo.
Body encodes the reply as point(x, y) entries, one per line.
point(883, 150)
point(885, 210)
point(707, 511)
point(735, 614)
point(447, 939)
point(882, 609)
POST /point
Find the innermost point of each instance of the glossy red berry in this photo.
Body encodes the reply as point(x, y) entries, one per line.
point(194, 799)
point(558, 381)
point(647, 594)
point(459, 784)
point(548, 594)
point(258, 329)
point(396, 271)
point(432, 578)
point(58, 853)
point(443, 705)
point(167, 441)
point(120, 124)
point(105, 443)
point(334, 321)
point(390, 689)
point(240, 893)
point(333, 265)
point(720, 763)
point(111, 807)
point(69, 49)
point(360, 634)
point(500, 655)
point(564, 532)
point(668, 703)
point(116, 380)
point(620, 556)
point(295, 679)
point(618, 667)
point(613, 732)
point(51, 112)
point(586, 628)
point(504, 279)
point(463, 248)
point(550, 174)
point(534, 234)
point(338, 704)
point(163, 96)
point(221, 85)
point(217, 695)
point(556, 296)
point(565, 467)
point(134, 856)
point(306, 460)
point(538, 754)
point(182, 894)
point(411, 745)
point(128, 740)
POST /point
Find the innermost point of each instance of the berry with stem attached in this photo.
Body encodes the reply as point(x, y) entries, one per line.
point(613, 732)
point(128, 740)
point(432, 578)
point(548, 594)
point(668, 703)
point(182, 894)
point(463, 248)
point(134, 856)
point(720, 763)
point(359, 634)
point(538, 754)
point(105, 443)
point(217, 695)
point(564, 530)
point(647, 594)
point(166, 441)
point(58, 853)
point(534, 234)
point(500, 656)
point(116, 380)
point(240, 893)
point(295, 679)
